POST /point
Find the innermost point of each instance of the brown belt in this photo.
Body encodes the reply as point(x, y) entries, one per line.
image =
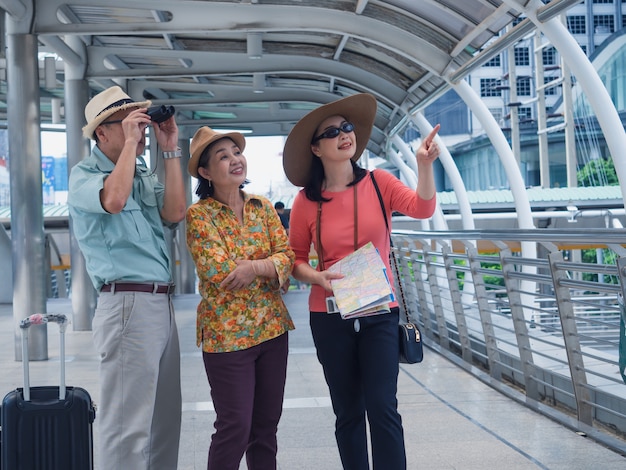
point(152, 287)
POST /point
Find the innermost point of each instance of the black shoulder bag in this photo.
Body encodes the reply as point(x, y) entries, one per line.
point(410, 337)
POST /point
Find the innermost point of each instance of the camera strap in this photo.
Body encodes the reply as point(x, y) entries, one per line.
point(318, 230)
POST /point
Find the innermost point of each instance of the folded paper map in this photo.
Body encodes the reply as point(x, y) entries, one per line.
point(364, 289)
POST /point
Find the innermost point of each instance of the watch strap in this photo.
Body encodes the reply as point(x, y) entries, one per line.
point(178, 153)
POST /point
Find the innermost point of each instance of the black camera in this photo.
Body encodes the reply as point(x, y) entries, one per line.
point(161, 113)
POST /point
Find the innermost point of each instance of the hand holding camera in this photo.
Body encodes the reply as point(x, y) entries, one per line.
point(165, 129)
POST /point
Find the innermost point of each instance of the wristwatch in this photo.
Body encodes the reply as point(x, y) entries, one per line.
point(173, 154)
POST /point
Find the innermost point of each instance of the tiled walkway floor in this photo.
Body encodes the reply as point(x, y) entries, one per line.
point(451, 419)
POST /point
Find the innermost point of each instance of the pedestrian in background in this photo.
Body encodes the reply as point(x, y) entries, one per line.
point(284, 217)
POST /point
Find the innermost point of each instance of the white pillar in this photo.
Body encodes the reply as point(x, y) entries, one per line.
point(516, 181)
point(452, 172)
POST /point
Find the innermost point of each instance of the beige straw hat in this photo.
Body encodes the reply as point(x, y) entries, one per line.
point(358, 109)
point(105, 104)
point(204, 137)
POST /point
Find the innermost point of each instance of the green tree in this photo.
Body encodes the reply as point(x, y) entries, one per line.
point(591, 173)
point(608, 257)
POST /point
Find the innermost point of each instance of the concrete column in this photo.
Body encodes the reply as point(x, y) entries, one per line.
point(571, 158)
point(27, 233)
point(84, 296)
point(542, 122)
point(186, 281)
point(513, 105)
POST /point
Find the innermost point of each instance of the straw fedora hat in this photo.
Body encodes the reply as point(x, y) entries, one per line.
point(204, 137)
point(105, 104)
point(359, 109)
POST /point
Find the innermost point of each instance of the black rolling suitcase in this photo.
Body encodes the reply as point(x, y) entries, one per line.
point(47, 428)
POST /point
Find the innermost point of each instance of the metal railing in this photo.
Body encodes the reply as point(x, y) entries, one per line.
point(542, 328)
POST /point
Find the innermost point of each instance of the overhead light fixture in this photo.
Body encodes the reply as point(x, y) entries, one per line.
point(255, 45)
point(258, 82)
point(227, 130)
point(50, 72)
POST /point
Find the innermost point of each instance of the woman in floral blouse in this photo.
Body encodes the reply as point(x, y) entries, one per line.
point(242, 258)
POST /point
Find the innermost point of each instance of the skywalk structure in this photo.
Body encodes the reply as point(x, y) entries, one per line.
point(505, 305)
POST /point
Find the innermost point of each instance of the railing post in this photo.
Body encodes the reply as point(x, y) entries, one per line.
point(457, 305)
point(571, 339)
point(402, 254)
point(435, 293)
point(420, 286)
point(622, 338)
point(493, 355)
point(621, 270)
point(519, 323)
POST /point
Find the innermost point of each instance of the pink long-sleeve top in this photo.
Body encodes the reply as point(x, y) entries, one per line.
point(337, 223)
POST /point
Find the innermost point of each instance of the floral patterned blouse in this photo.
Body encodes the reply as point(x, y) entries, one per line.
point(231, 320)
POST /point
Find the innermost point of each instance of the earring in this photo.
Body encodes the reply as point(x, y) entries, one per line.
point(209, 183)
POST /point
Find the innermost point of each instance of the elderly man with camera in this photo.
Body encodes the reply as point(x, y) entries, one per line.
point(118, 211)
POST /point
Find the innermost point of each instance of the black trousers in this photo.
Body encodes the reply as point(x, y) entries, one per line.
point(360, 363)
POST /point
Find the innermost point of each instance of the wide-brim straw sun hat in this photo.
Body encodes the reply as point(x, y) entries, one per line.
point(105, 104)
point(358, 109)
point(204, 137)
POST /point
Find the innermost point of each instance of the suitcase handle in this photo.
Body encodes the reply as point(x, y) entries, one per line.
point(40, 319)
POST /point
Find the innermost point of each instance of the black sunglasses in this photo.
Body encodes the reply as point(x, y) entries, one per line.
point(334, 132)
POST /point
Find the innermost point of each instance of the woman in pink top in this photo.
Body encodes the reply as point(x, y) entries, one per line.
point(338, 211)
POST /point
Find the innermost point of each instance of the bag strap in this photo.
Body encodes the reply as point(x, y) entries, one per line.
point(391, 255)
point(382, 205)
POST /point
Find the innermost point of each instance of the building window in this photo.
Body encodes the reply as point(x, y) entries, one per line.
point(603, 1)
point(576, 24)
point(549, 90)
point(603, 24)
point(494, 62)
point(523, 86)
point(549, 55)
point(522, 56)
point(524, 113)
point(497, 114)
point(490, 87)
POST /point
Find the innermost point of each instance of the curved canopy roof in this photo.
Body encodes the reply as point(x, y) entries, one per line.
point(261, 64)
